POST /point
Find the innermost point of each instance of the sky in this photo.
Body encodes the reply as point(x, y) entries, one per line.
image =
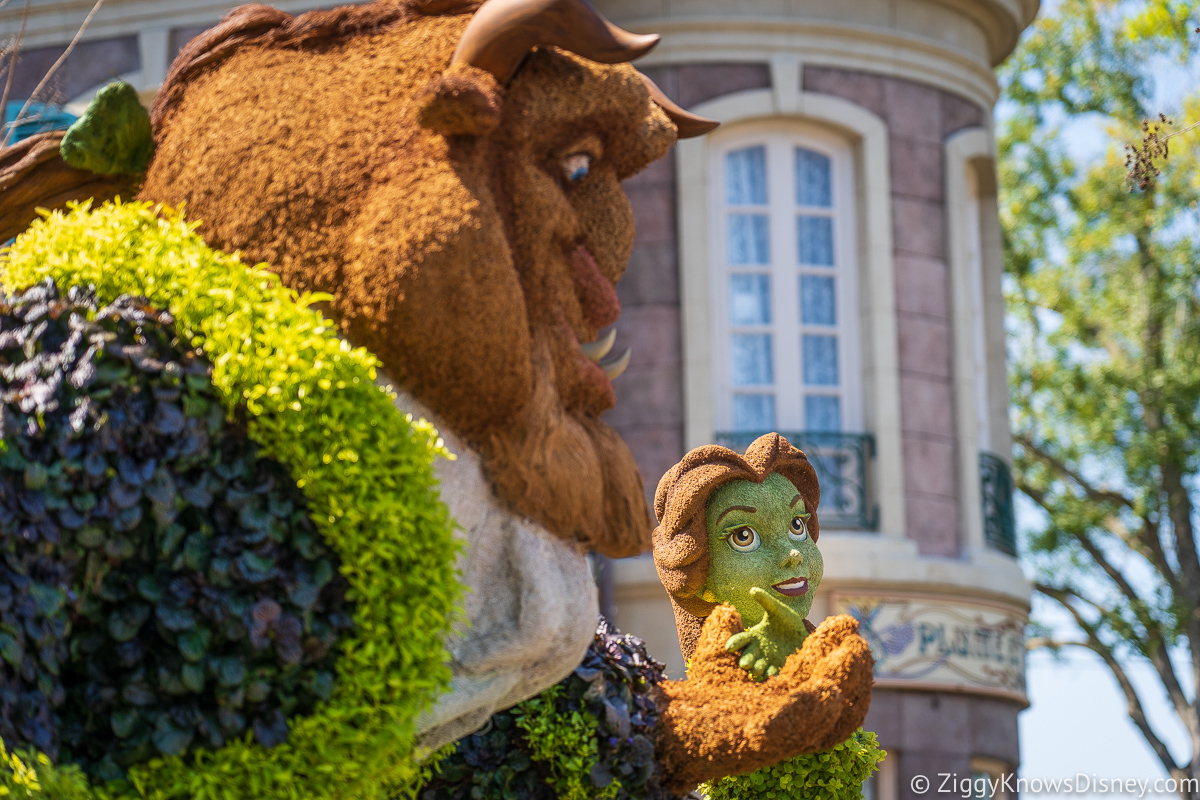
point(1076, 722)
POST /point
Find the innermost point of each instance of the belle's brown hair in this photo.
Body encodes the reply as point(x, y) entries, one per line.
point(681, 538)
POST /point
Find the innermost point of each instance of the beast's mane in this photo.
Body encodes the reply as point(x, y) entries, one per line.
point(263, 26)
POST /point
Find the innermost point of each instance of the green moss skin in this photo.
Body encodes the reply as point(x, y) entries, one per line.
point(113, 136)
point(365, 468)
point(836, 774)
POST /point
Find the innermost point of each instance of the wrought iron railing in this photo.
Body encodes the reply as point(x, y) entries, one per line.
point(841, 461)
point(999, 520)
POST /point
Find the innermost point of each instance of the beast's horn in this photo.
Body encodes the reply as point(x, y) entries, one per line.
point(687, 123)
point(503, 32)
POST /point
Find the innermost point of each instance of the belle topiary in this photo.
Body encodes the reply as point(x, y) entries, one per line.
point(736, 546)
point(228, 570)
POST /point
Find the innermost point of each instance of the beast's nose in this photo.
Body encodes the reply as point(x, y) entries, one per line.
point(792, 559)
point(597, 297)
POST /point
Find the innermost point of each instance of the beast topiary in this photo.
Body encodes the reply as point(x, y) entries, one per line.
point(310, 403)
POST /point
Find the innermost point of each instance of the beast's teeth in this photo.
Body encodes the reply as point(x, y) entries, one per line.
point(599, 349)
point(615, 369)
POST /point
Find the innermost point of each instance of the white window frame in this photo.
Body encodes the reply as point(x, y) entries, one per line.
point(866, 135)
point(779, 138)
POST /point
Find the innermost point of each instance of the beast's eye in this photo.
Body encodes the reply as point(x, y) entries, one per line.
point(744, 539)
point(799, 529)
point(577, 166)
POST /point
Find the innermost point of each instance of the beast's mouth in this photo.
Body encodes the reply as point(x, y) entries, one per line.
point(792, 587)
point(597, 350)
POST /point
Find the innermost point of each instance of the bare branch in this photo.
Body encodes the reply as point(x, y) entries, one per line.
point(1133, 702)
point(53, 68)
point(12, 64)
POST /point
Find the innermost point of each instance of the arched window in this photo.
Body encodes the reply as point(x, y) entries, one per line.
point(785, 338)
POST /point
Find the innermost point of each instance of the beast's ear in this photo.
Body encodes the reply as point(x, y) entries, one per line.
point(462, 101)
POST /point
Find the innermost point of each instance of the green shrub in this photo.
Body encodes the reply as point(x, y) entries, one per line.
point(566, 743)
point(310, 402)
point(590, 736)
point(836, 774)
point(162, 586)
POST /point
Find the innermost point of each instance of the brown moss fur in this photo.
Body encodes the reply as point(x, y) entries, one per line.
point(298, 141)
point(721, 722)
point(681, 538)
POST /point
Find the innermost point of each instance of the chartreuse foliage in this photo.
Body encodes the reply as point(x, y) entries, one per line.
point(836, 774)
point(310, 402)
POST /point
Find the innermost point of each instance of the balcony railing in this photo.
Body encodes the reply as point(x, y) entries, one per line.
point(999, 521)
point(840, 460)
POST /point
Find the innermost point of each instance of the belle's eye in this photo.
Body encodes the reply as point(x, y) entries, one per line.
point(577, 166)
point(744, 540)
point(799, 531)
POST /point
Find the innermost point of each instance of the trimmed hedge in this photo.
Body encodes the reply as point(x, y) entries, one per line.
point(163, 587)
point(310, 402)
point(836, 774)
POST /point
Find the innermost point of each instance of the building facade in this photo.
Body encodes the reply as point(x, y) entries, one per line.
point(827, 264)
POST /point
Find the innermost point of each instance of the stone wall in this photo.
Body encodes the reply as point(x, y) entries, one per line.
point(650, 401)
point(927, 733)
point(919, 118)
point(90, 64)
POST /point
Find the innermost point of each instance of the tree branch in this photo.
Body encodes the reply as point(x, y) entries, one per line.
point(12, 63)
point(53, 68)
point(1098, 495)
point(1133, 702)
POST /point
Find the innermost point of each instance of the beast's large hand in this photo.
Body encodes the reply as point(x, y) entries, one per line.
point(767, 645)
point(720, 721)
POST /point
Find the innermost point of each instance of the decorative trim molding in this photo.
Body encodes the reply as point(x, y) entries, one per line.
point(54, 22)
point(969, 163)
point(887, 51)
point(867, 135)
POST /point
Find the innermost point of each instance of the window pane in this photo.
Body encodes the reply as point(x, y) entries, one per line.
point(754, 412)
point(750, 299)
point(813, 185)
point(752, 360)
point(815, 237)
point(748, 242)
point(822, 413)
point(820, 360)
point(817, 301)
point(746, 177)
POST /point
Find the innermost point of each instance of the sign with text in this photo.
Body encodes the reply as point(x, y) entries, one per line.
point(929, 642)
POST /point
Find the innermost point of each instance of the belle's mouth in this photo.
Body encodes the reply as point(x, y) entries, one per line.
point(793, 587)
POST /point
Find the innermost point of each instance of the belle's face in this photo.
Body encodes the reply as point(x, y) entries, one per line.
point(758, 536)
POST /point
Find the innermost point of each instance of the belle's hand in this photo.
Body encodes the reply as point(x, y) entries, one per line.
point(767, 645)
point(720, 721)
